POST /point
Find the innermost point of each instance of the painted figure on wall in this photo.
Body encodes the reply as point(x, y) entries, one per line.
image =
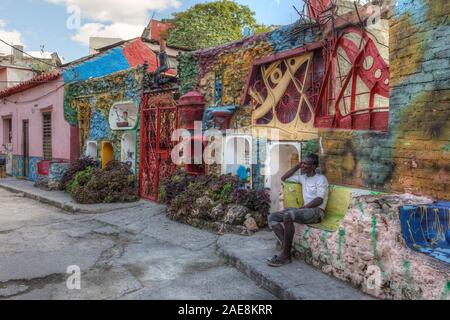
point(163, 63)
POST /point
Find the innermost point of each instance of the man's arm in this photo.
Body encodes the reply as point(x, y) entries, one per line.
point(314, 203)
point(291, 172)
point(322, 190)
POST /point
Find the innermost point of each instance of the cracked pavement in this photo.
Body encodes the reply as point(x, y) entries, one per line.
point(135, 253)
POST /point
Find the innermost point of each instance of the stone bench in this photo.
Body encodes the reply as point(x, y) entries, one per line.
point(339, 198)
point(366, 247)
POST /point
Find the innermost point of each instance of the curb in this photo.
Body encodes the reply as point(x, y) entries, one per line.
point(258, 277)
point(59, 205)
point(68, 207)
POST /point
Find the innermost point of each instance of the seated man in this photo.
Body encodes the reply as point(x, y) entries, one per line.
point(315, 196)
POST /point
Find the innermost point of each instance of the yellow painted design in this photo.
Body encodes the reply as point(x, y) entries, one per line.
point(83, 108)
point(107, 153)
point(420, 165)
point(293, 196)
point(233, 67)
point(296, 129)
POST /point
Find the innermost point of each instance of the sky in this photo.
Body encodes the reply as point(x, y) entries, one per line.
point(64, 26)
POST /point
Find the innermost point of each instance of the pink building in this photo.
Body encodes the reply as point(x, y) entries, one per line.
point(32, 125)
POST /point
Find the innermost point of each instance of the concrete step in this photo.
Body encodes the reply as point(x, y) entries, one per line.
point(295, 281)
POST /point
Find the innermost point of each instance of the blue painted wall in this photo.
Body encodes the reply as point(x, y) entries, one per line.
point(32, 167)
point(112, 61)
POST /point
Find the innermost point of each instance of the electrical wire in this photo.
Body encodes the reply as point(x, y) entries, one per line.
point(40, 60)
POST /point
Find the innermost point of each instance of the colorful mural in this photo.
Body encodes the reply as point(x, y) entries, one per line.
point(355, 89)
point(128, 55)
point(426, 229)
point(18, 167)
point(372, 100)
point(284, 93)
point(411, 156)
point(88, 104)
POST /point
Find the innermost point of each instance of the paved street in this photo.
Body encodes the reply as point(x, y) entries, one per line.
point(134, 253)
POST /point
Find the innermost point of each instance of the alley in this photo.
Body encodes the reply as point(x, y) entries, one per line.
point(137, 254)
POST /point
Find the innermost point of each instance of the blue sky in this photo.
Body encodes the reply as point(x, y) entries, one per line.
point(44, 22)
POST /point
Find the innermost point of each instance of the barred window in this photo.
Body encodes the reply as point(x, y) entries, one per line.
point(47, 135)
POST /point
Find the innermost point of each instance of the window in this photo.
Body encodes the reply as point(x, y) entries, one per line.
point(7, 131)
point(47, 135)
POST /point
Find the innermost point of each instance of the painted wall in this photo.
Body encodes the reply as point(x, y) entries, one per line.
point(368, 251)
point(88, 104)
point(220, 75)
point(30, 106)
point(128, 55)
point(414, 155)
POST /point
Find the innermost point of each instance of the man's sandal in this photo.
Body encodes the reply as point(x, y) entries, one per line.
point(278, 262)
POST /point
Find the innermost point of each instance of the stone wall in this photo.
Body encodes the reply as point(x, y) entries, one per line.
point(413, 156)
point(368, 250)
point(220, 75)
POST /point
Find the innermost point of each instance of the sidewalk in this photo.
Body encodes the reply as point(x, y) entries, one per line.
point(295, 281)
point(248, 254)
point(60, 199)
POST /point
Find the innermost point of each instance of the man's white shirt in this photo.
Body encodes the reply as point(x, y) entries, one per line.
point(312, 187)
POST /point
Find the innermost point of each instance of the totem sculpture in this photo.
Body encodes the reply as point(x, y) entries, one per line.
point(163, 63)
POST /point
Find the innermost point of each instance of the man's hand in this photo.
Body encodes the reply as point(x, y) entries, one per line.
point(289, 174)
point(314, 203)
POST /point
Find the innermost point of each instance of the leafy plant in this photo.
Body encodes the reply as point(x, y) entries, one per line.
point(210, 24)
point(79, 165)
point(175, 185)
point(194, 195)
point(255, 200)
point(75, 188)
point(114, 183)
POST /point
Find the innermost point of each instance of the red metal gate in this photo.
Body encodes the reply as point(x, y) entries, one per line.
point(159, 119)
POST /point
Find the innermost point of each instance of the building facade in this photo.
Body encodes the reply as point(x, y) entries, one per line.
point(33, 128)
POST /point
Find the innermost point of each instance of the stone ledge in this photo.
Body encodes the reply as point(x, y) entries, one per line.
point(370, 240)
point(295, 281)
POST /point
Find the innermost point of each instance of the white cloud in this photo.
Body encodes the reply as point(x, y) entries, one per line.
point(115, 18)
point(133, 12)
point(10, 36)
point(115, 30)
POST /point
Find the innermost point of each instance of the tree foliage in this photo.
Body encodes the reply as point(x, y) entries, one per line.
point(211, 24)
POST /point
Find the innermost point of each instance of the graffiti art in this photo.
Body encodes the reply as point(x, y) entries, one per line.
point(355, 90)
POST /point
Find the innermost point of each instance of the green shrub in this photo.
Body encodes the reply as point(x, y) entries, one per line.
point(114, 183)
point(75, 167)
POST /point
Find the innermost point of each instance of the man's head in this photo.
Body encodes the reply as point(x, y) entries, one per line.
point(310, 164)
